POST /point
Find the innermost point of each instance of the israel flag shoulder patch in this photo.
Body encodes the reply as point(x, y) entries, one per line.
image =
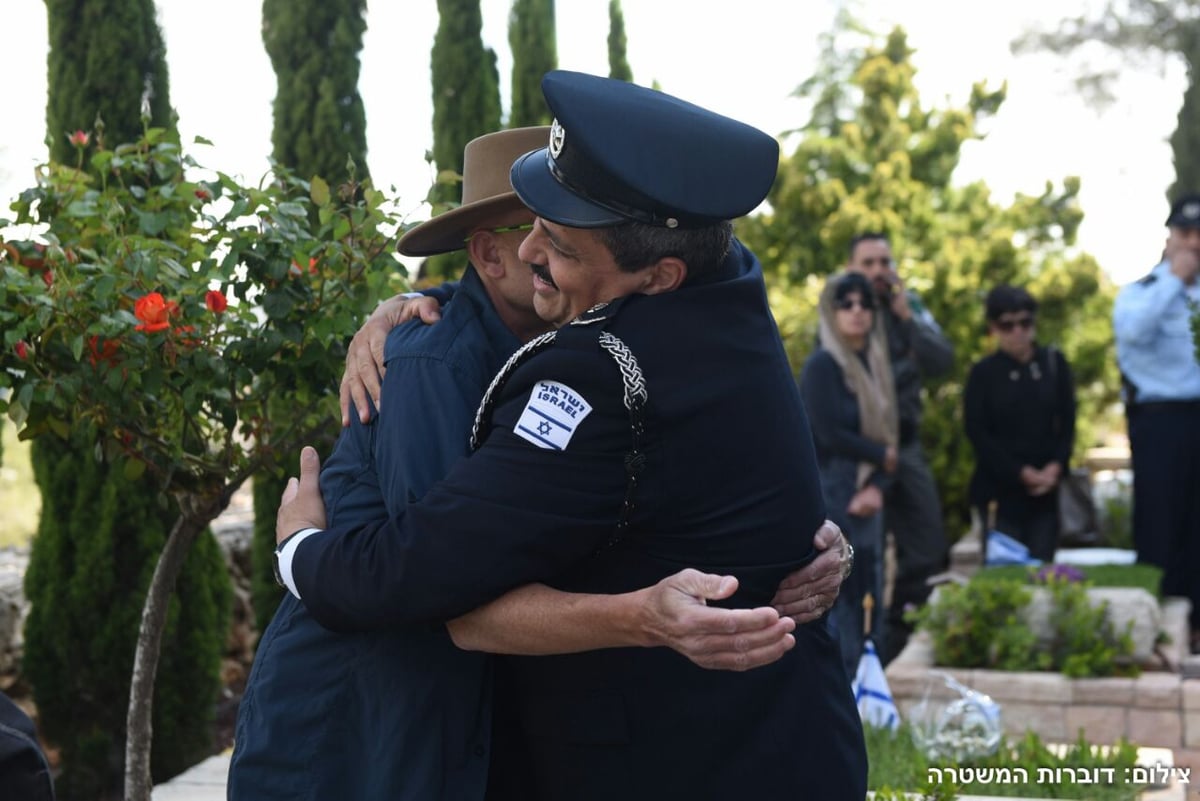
point(551, 416)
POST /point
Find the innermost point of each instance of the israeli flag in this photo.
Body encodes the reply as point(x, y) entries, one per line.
point(876, 706)
point(1005, 550)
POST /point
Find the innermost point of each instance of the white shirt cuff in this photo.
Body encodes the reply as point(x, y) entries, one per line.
point(287, 553)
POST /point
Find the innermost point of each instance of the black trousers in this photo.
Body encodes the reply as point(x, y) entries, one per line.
point(912, 511)
point(1164, 440)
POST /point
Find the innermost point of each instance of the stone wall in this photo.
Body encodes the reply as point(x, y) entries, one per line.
point(1158, 708)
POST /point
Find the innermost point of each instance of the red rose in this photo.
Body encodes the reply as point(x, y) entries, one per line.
point(21, 349)
point(154, 312)
point(215, 300)
point(102, 351)
point(78, 139)
point(48, 278)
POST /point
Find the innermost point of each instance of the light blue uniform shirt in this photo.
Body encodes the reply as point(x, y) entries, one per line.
point(1155, 349)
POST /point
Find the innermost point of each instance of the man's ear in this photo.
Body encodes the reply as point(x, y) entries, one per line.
point(665, 275)
point(483, 253)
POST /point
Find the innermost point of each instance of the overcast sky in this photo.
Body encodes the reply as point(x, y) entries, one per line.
point(741, 58)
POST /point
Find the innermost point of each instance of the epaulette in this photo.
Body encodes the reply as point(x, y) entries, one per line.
point(586, 331)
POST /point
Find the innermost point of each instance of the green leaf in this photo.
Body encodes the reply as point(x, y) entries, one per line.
point(341, 228)
point(134, 468)
point(17, 413)
point(319, 191)
point(152, 223)
point(77, 347)
point(103, 287)
point(277, 304)
point(200, 140)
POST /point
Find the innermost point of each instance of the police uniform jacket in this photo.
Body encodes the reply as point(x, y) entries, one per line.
point(571, 488)
point(1155, 350)
point(402, 714)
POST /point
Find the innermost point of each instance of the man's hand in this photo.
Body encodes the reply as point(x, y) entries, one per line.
point(1185, 261)
point(866, 502)
point(364, 359)
point(674, 614)
point(301, 505)
point(899, 298)
point(809, 592)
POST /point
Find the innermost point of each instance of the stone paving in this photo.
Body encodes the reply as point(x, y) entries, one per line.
point(203, 782)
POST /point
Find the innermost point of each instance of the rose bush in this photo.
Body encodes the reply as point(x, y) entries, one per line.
point(160, 312)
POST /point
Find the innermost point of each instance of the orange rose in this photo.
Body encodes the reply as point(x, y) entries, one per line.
point(312, 267)
point(153, 310)
point(215, 300)
point(103, 351)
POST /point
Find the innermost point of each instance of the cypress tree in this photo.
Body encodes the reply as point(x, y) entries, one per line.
point(319, 117)
point(532, 37)
point(95, 549)
point(1185, 139)
point(618, 63)
point(100, 534)
point(466, 88)
point(105, 58)
point(466, 104)
point(319, 124)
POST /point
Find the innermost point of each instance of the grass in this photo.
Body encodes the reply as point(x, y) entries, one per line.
point(19, 498)
point(1136, 575)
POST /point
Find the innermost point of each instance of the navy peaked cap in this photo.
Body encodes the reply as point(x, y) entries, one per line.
point(620, 153)
point(1185, 212)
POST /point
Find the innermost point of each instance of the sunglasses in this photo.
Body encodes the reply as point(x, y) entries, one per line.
point(502, 230)
point(849, 303)
point(1008, 325)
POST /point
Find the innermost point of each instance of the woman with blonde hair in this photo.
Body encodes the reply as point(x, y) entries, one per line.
point(850, 397)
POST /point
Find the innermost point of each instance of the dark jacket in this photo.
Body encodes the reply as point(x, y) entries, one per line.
point(840, 445)
point(918, 350)
point(24, 772)
point(1015, 415)
point(726, 482)
point(401, 715)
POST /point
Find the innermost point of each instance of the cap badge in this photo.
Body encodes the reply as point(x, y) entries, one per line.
point(557, 138)
point(1190, 211)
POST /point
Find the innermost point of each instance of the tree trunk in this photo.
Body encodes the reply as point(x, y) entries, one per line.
point(195, 515)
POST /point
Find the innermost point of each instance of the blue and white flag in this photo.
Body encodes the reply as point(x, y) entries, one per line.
point(876, 706)
point(1005, 550)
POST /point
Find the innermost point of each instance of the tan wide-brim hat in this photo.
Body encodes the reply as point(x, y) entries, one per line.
point(486, 191)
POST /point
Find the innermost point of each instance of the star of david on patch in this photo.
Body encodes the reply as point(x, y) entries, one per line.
point(551, 416)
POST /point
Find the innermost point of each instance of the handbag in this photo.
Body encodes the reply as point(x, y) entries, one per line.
point(1078, 519)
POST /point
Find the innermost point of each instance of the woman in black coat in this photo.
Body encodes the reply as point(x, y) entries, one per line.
point(1020, 418)
point(850, 397)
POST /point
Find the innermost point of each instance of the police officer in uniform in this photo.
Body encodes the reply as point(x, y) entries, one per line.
point(658, 426)
point(309, 724)
point(1161, 378)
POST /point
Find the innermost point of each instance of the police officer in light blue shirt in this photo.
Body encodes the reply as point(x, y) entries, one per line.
point(1161, 378)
